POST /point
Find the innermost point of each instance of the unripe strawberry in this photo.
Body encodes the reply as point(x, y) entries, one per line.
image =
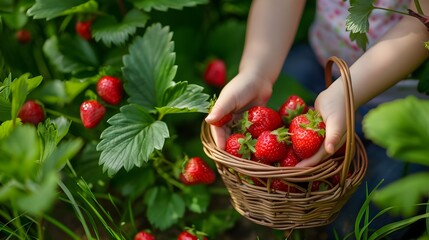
point(197, 171)
point(91, 113)
point(215, 73)
point(23, 36)
point(83, 29)
point(31, 112)
point(110, 89)
point(144, 235)
point(258, 119)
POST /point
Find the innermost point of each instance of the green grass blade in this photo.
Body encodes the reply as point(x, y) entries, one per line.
point(62, 227)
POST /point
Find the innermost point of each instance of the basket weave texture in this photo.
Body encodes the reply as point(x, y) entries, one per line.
point(305, 208)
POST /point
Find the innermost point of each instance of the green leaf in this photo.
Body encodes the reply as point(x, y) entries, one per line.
point(197, 199)
point(19, 94)
point(132, 137)
point(400, 127)
point(164, 5)
point(357, 21)
point(415, 187)
point(149, 68)
point(50, 9)
point(173, 207)
point(192, 100)
point(6, 128)
point(108, 30)
point(61, 155)
point(70, 54)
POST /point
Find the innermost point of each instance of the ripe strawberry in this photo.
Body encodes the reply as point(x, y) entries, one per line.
point(83, 29)
point(215, 73)
point(23, 36)
point(144, 235)
point(31, 112)
point(197, 171)
point(259, 119)
point(336, 178)
point(317, 186)
point(291, 159)
point(91, 113)
point(110, 89)
point(258, 181)
point(292, 107)
point(279, 185)
point(226, 119)
point(271, 146)
point(191, 234)
point(240, 145)
point(307, 133)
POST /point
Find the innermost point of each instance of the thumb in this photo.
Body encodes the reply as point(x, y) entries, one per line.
point(224, 105)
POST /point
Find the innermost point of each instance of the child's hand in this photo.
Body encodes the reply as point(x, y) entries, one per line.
point(330, 104)
point(242, 92)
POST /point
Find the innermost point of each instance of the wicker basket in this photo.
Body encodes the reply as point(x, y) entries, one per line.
point(293, 210)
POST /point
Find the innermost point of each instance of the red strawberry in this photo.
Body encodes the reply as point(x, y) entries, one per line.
point(91, 113)
point(279, 185)
point(144, 235)
point(307, 133)
point(215, 73)
point(187, 235)
point(292, 107)
point(291, 159)
point(31, 112)
point(197, 171)
point(110, 89)
point(336, 178)
point(271, 146)
point(83, 29)
point(317, 186)
point(226, 119)
point(258, 181)
point(240, 145)
point(23, 36)
point(259, 119)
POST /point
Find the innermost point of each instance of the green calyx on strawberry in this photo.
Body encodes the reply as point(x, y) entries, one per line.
point(191, 234)
point(292, 107)
point(110, 89)
point(271, 146)
point(31, 112)
point(144, 235)
point(307, 132)
point(91, 113)
point(258, 119)
point(240, 145)
point(196, 171)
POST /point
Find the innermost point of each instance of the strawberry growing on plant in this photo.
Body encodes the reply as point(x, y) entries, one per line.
point(23, 36)
point(144, 235)
point(191, 234)
point(258, 119)
point(110, 89)
point(31, 112)
point(271, 146)
point(307, 132)
point(215, 73)
point(292, 107)
point(91, 113)
point(83, 29)
point(197, 171)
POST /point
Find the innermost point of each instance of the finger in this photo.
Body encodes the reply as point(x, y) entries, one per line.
point(333, 137)
point(225, 104)
point(219, 135)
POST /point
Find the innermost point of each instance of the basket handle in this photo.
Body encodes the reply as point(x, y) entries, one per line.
point(349, 107)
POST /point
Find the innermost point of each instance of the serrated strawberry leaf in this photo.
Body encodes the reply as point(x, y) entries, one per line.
point(164, 5)
point(50, 9)
point(132, 137)
point(357, 21)
point(403, 135)
point(173, 207)
point(108, 30)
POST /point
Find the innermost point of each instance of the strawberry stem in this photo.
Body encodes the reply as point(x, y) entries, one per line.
point(56, 113)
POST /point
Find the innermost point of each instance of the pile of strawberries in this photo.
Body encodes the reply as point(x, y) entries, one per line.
point(280, 138)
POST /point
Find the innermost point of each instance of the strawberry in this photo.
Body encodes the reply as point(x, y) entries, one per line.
point(279, 185)
point(91, 113)
point(271, 146)
point(307, 133)
point(224, 120)
point(258, 181)
point(110, 89)
point(23, 36)
point(291, 159)
point(240, 145)
point(258, 119)
point(292, 107)
point(336, 178)
point(191, 234)
point(31, 112)
point(144, 235)
point(83, 29)
point(317, 186)
point(197, 171)
point(215, 73)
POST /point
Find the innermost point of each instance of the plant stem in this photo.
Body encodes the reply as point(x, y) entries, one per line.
point(56, 113)
point(392, 10)
point(418, 7)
